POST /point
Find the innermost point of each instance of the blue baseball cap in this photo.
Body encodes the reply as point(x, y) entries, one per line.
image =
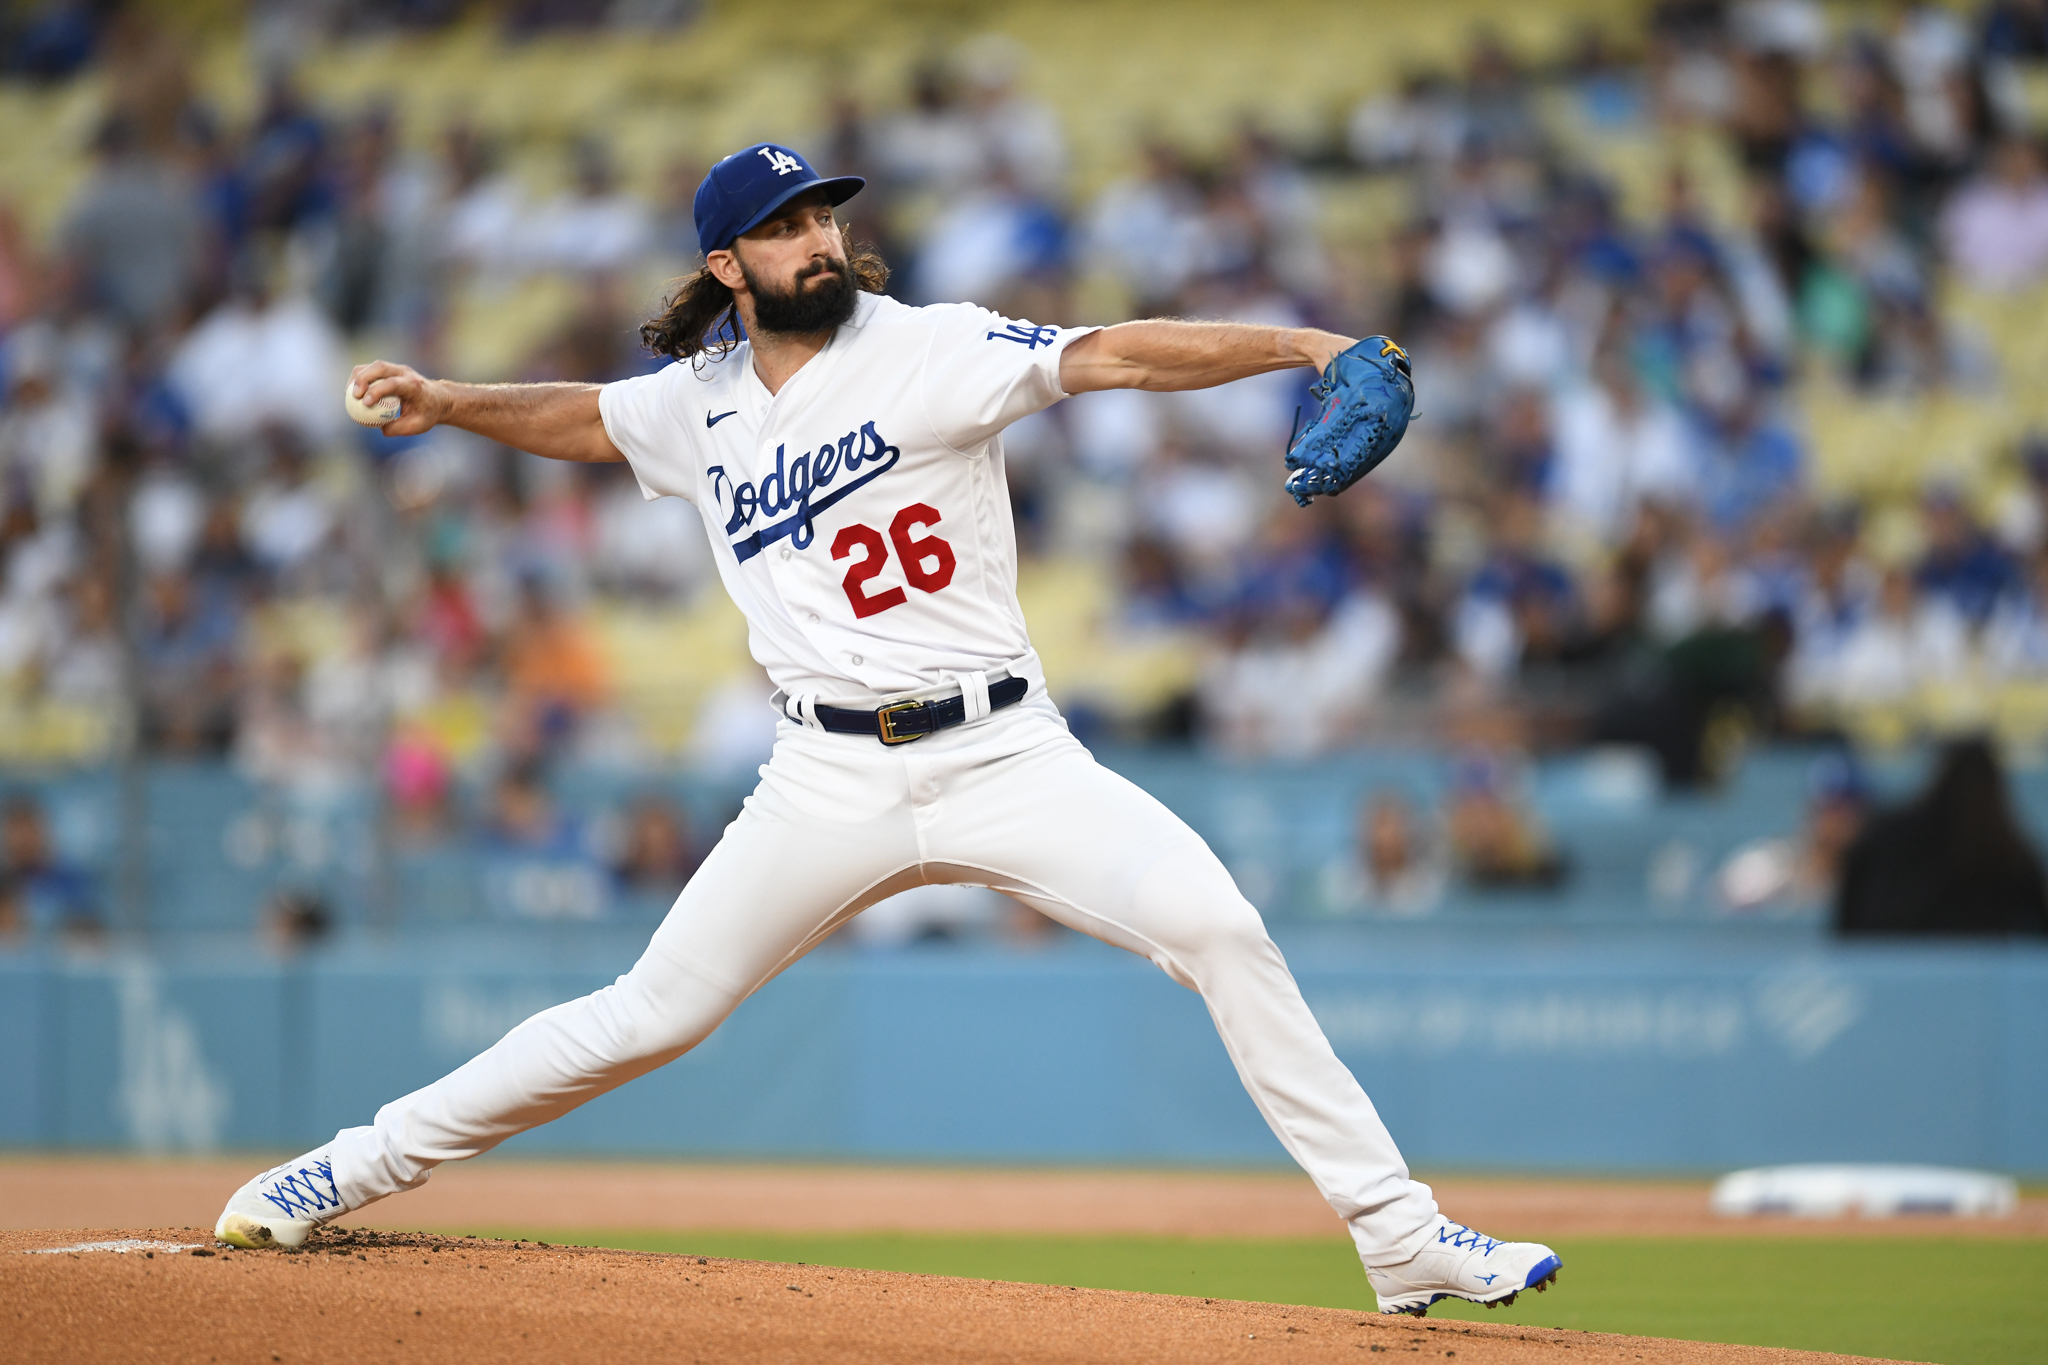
point(744, 191)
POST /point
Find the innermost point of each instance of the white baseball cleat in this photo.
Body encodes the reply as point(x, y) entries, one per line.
point(281, 1207)
point(1459, 1263)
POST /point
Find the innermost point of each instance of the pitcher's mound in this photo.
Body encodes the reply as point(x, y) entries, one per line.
point(359, 1295)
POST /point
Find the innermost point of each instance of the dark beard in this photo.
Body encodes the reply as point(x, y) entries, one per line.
point(803, 311)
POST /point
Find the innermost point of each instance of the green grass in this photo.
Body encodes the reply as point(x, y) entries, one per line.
point(1958, 1302)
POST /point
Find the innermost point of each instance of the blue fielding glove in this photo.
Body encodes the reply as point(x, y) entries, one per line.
point(1367, 398)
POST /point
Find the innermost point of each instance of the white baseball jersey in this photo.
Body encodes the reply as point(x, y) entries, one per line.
point(861, 522)
point(859, 517)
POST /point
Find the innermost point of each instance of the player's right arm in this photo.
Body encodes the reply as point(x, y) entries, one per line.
point(559, 421)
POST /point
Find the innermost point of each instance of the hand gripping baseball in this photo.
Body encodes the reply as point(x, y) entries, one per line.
point(373, 387)
point(1367, 398)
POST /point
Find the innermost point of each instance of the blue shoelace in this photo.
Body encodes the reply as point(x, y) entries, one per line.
point(298, 1192)
point(1460, 1236)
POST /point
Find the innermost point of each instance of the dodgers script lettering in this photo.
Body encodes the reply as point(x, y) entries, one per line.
point(794, 487)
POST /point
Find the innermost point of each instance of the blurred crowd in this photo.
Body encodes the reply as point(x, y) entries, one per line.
point(1604, 526)
point(1952, 859)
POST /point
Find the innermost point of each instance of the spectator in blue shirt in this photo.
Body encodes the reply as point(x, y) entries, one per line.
point(1962, 563)
point(40, 894)
point(1752, 465)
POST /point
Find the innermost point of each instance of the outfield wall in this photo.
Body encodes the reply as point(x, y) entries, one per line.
point(1515, 1050)
point(197, 848)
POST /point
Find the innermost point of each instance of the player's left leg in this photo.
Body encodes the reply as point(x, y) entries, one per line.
point(1028, 808)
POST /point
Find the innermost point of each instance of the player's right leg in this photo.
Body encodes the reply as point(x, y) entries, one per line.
point(823, 836)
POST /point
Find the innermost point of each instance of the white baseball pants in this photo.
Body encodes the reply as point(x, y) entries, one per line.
point(840, 822)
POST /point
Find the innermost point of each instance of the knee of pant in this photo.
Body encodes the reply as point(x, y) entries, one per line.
point(642, 1023)
point(1198, 911)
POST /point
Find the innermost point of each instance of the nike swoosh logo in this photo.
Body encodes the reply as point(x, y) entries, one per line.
point(710, 421)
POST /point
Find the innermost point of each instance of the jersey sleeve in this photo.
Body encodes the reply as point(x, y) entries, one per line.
point(645, 418)
point(985, 371)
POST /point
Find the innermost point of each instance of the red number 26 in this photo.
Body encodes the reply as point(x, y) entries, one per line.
point(927, 560)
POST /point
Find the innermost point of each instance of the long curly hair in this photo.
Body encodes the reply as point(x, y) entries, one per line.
point(702, 318)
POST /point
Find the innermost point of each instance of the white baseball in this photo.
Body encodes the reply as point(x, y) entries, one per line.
point(385, 411)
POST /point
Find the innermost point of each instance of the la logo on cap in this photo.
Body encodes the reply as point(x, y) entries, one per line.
point(782, 161)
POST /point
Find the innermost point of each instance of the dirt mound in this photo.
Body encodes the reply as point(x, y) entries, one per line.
point(175, 1294)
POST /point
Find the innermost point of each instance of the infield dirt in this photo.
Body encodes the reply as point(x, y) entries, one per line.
point(362, 1295)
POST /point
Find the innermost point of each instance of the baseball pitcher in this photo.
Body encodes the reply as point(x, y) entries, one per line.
point(846, 457)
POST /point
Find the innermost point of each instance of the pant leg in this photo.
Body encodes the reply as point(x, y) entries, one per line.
point(1090, 849)
point(826, 833)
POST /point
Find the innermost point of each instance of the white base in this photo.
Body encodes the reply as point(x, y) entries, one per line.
point(1872, 1191)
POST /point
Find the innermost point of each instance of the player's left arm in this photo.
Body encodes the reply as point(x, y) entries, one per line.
point(1164, 354)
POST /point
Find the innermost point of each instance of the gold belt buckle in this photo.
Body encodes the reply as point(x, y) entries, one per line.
point(887, 730)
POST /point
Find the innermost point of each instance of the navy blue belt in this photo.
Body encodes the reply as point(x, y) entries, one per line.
point(900, 722)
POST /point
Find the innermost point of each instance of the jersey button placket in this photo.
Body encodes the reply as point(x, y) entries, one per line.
point(764, 450)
